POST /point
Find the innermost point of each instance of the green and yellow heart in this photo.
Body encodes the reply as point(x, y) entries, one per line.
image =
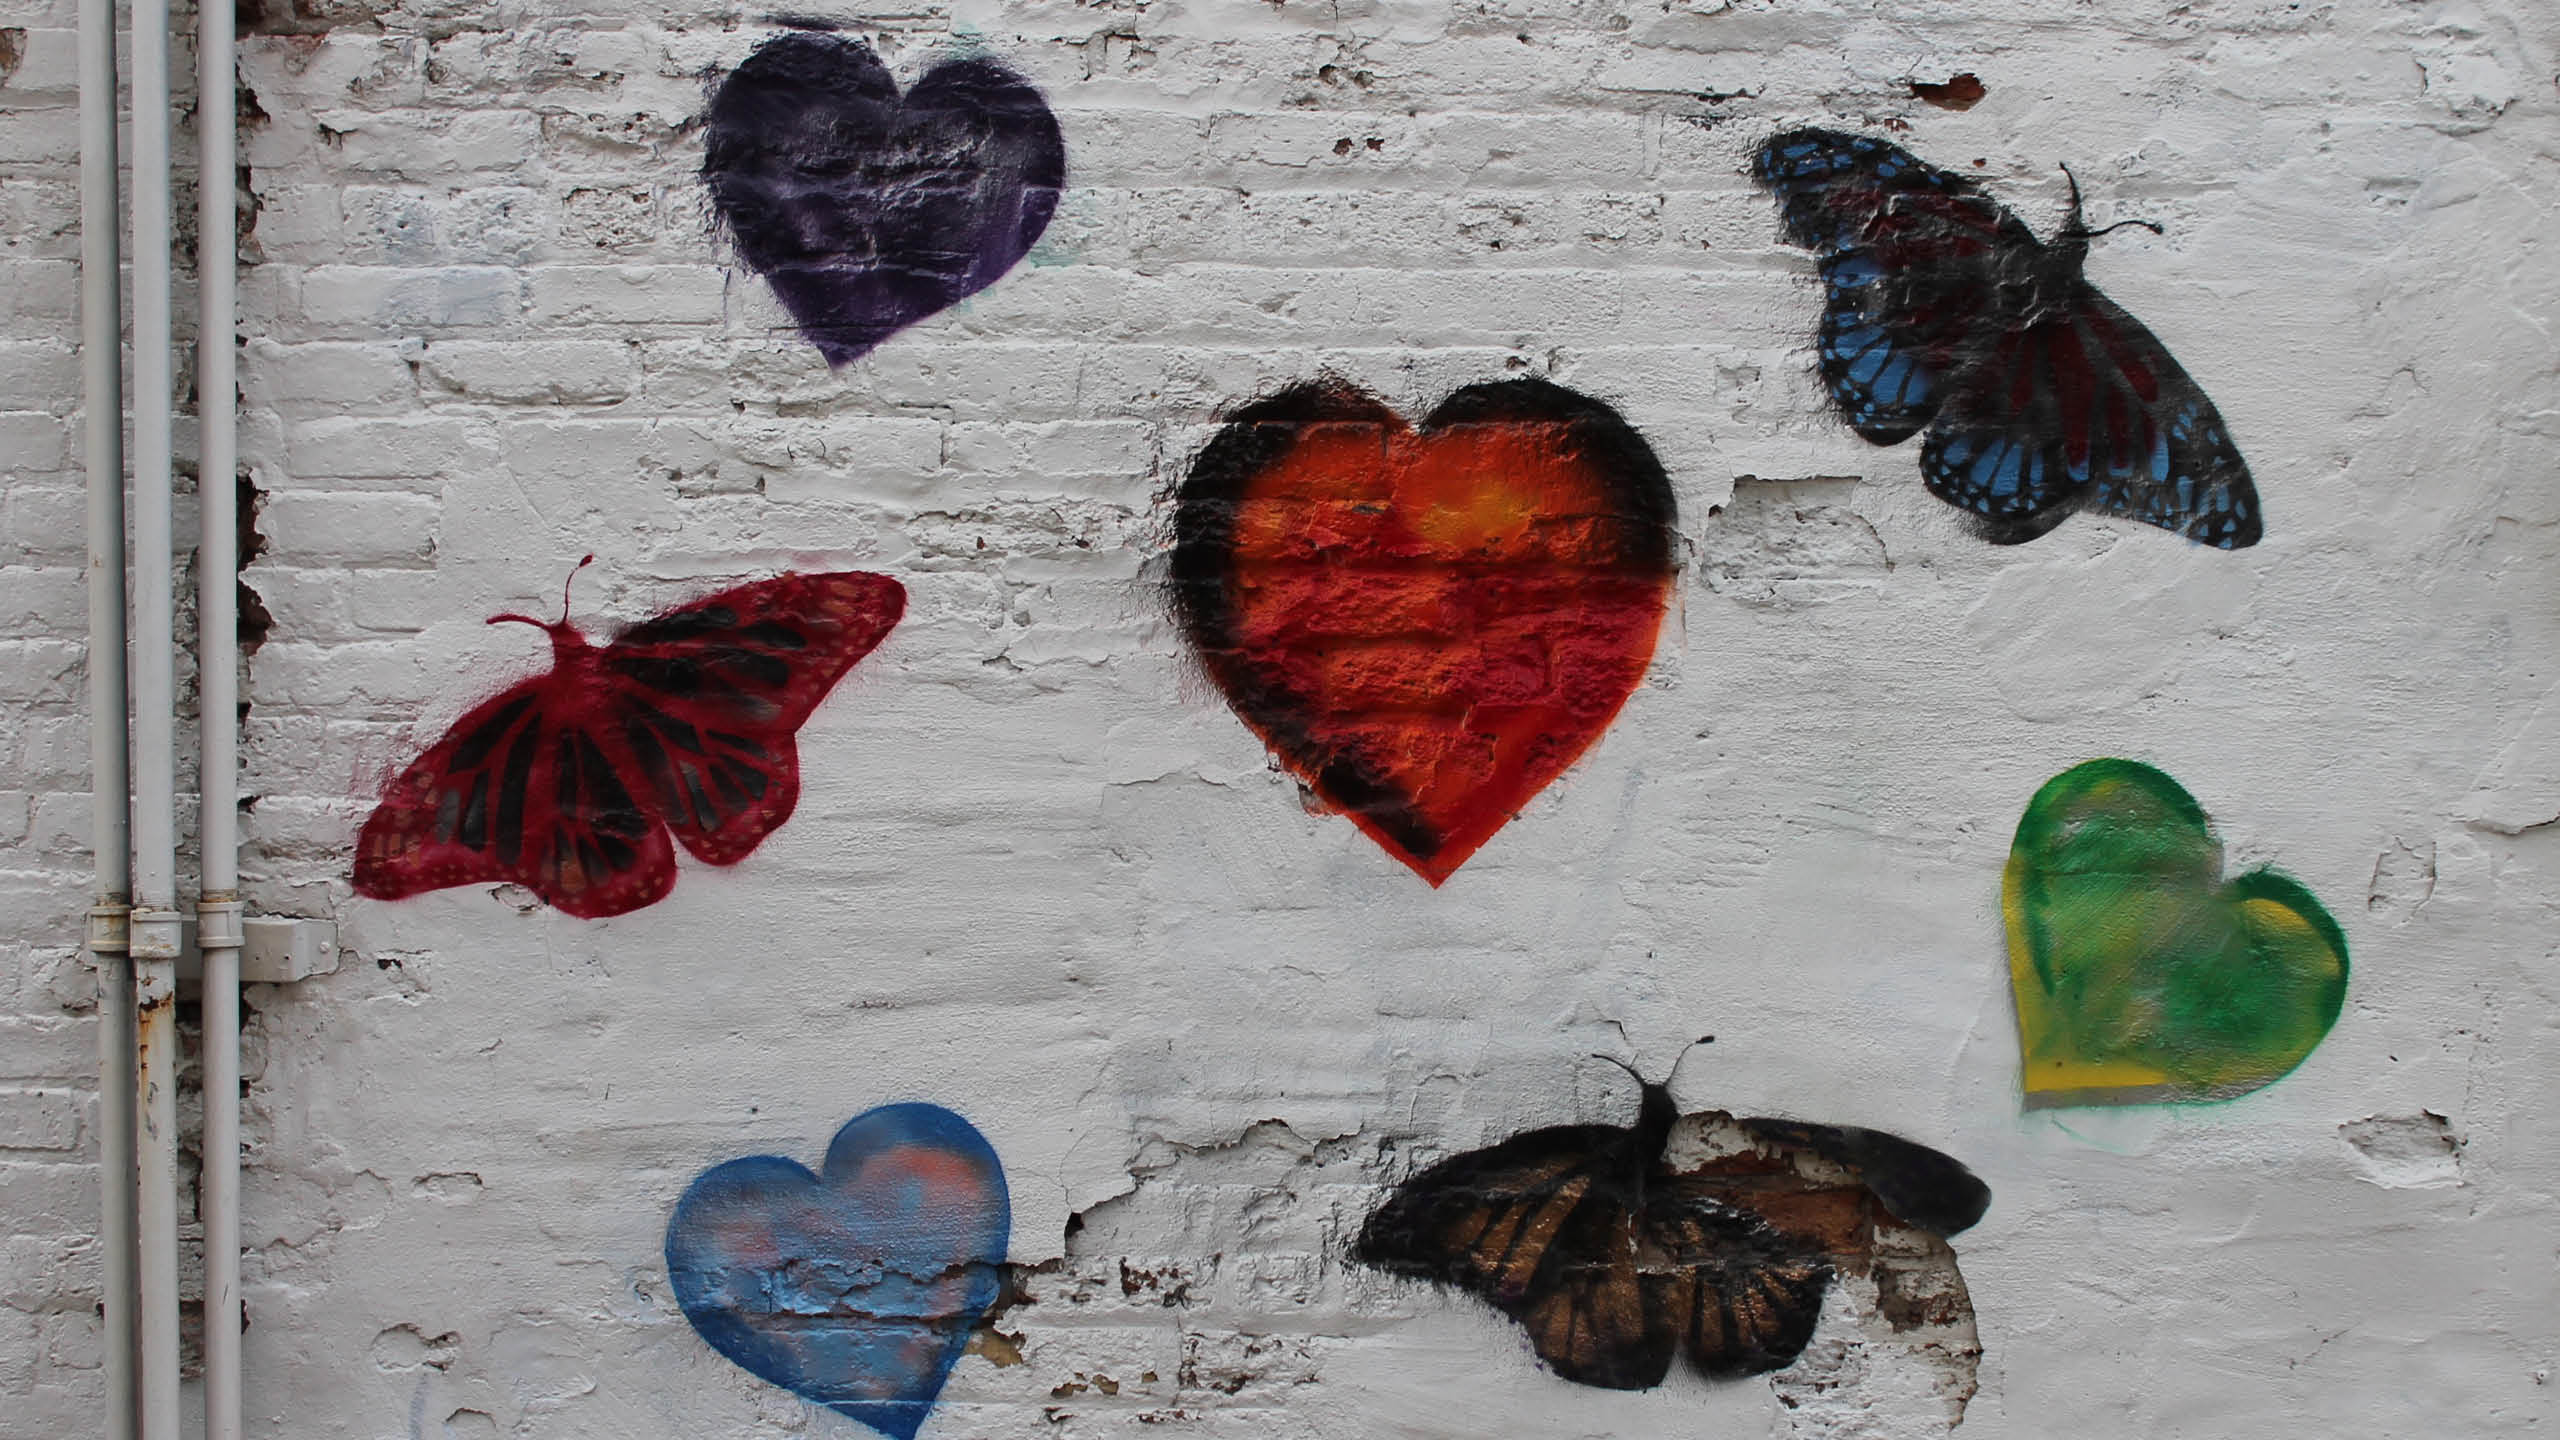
point(2140, 973)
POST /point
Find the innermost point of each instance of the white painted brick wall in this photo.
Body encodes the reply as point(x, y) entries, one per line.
point(1042, 875)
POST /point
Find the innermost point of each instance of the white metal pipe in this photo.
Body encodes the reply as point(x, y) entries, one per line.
point(156, 1071)
point(217, 382)
point(218, 907)
point(110, 836)
point(221, 1186)
point(154, 927)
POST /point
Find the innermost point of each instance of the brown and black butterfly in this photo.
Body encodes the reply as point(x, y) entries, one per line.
point(1614, 1263)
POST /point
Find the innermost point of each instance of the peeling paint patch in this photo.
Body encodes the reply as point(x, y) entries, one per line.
point(2406, 1152)
point(1787, 544)
point(1961, 91)
point(2404, 879)
point(404, 1348)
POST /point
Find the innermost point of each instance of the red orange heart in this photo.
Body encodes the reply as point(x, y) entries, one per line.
point(1429, 625)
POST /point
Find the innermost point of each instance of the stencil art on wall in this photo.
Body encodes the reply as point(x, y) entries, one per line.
point(2040, 395)
point(568, 783)
point(866, 211)
point(1425, 625)
point(2140, 973)
point(855, 1287)
point(1616, 1260)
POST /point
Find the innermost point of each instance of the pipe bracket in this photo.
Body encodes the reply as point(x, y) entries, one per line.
point(107, 933)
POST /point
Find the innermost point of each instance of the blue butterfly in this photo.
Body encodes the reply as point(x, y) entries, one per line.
point(2040, 394)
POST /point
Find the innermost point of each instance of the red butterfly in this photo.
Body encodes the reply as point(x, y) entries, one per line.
point(568, 783)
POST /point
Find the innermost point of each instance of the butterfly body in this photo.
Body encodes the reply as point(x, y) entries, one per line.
point(577, 783)
point(2040, 395)
point(1616, 1264)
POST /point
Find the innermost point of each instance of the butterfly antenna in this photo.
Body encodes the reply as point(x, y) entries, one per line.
point(2074, 226)
point(2153, 226)
point(582, 564)
point(1623, 1065)
point(1683, 1055)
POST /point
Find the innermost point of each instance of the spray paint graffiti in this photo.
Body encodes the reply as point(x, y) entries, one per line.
point(867, 211)
point(2040, 394)
point(2140, 973)
point(568, 783)
point(1617, 1260)
point(855, 1287)
point(1425, 625)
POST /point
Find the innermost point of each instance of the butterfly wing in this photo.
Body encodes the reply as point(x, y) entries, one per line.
point(513, 794)
point(707, 699)
point(2088, 404)
point(1483, 1221)
point(1740, 1297)
point(1912, 260)
point(1920, 1186)
point(1536, 1228)
point(1592, 1313)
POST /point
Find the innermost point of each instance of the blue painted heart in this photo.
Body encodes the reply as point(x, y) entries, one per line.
point(855, 1287)
point(866, 211)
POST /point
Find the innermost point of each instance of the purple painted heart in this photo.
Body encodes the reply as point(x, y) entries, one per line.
point(867, 211)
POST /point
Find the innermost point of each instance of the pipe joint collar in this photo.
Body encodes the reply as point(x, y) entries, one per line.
point(155, 935)
point(218, 924)
point(107, 933)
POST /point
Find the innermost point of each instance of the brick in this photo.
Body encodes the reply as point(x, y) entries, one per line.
point(44, 522)
point(352, 681)
point(29, 1187)
point(628, 294)
point(496, 224)
point(612, 218)
point(53, 1410)
point(421, 144)
point(46, 135)
point(331, 377)
point(986, 380)
point(39, 294)
point(21, 1345)
point(53, 751)
point(378, 298)
point(41, 368)
point(48, 66)
point(39, 1120)
point(74, 1341)
point(38, 905)
point(301, 224)
point(332, 68)
point(361, 528)
point(538, 372)
point(895, 460)
point(560, 453)
point(401, 448)
point(47, 1046)
point(41, 214)
point(43, 600)
point(1059, 450)
point(48, 1273)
